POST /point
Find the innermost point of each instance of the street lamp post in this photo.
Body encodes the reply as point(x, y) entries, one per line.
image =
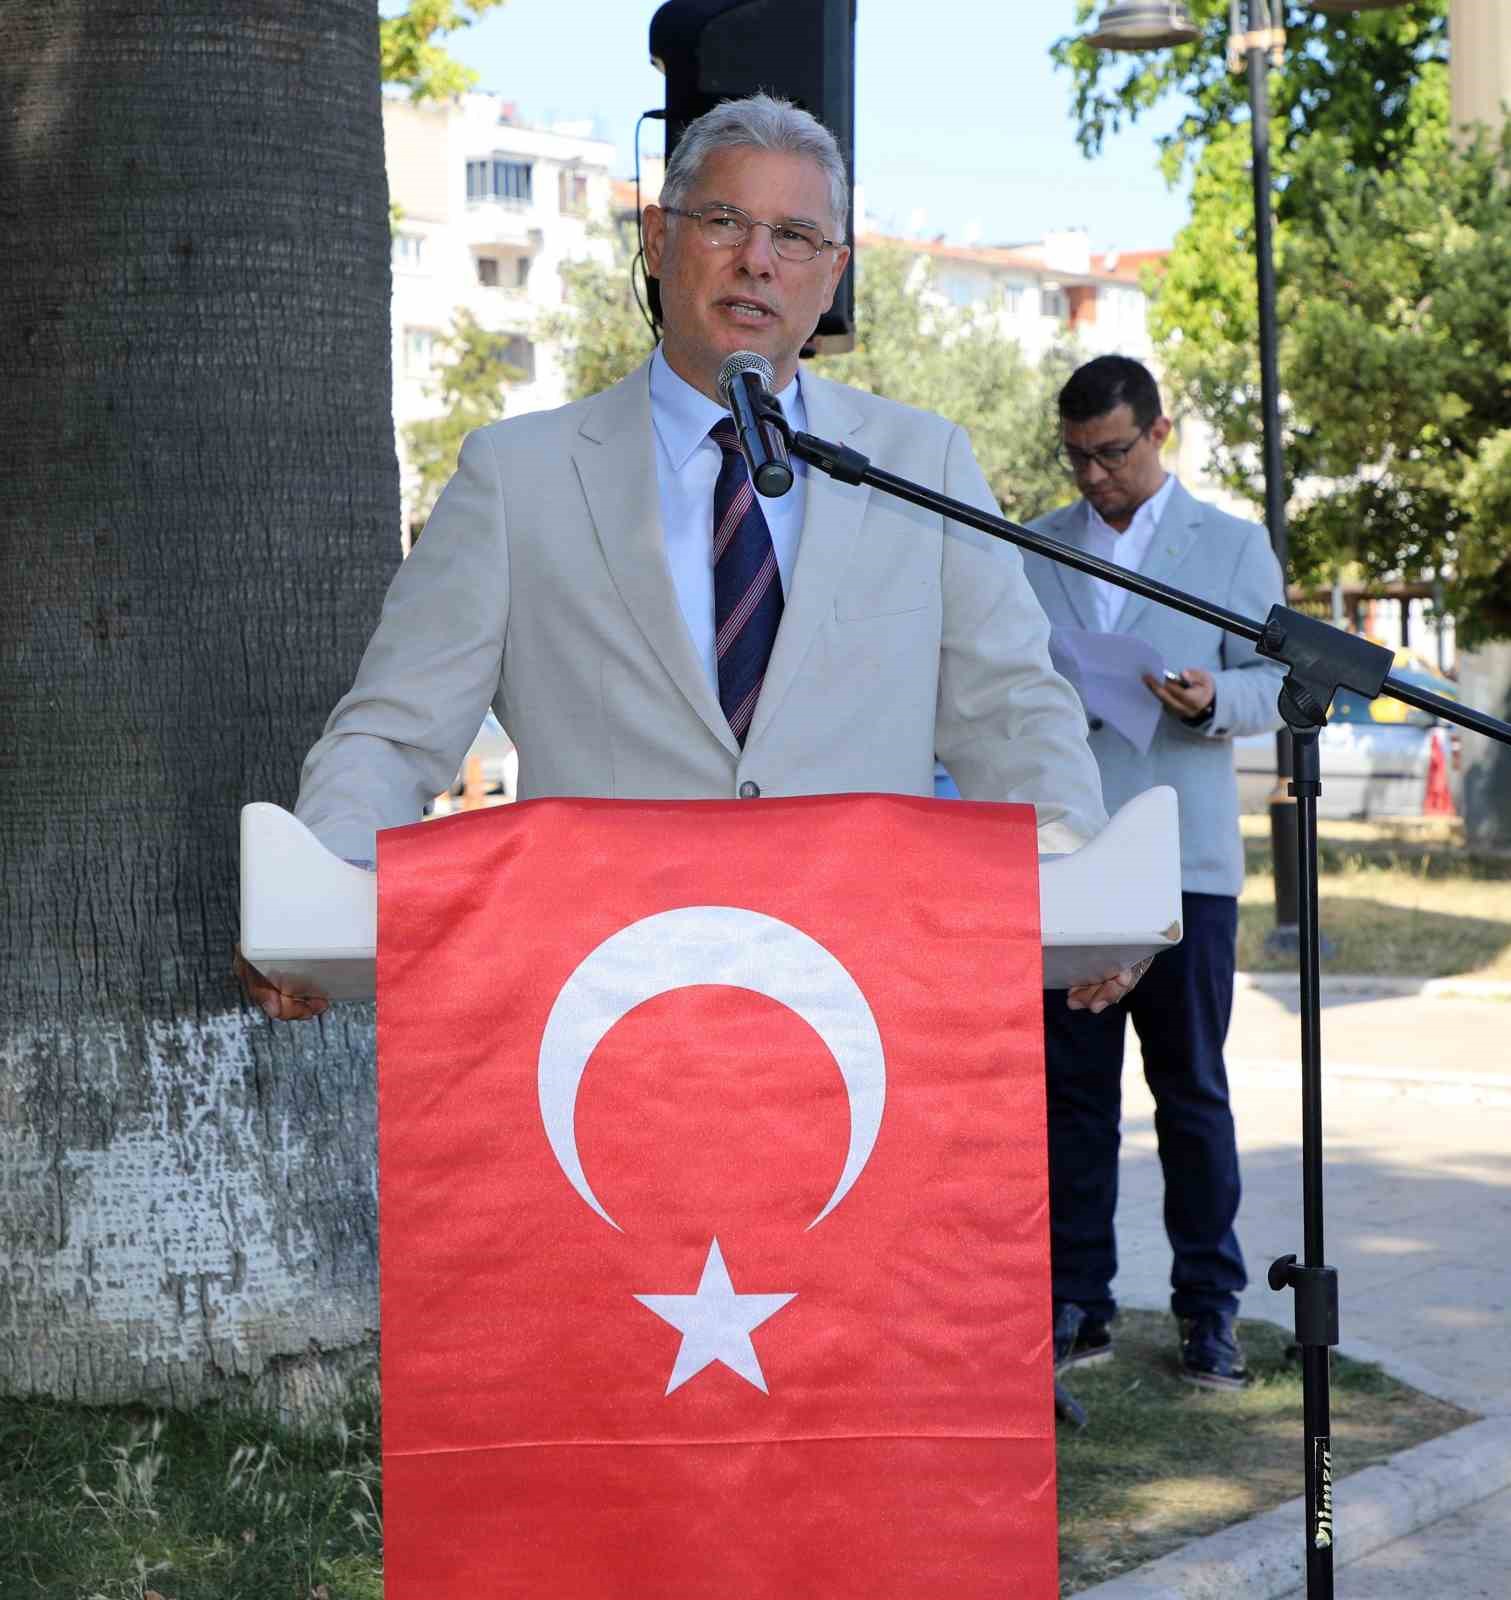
point(1144, 26)
point(1261, 44)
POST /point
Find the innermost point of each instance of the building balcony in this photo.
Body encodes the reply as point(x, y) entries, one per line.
point(500, 310)
point(501, 222)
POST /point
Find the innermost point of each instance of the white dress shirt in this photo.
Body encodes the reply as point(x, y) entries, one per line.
point(687, 464)
point(1125, 549)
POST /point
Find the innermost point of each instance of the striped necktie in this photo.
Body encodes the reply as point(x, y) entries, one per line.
point(747, 585)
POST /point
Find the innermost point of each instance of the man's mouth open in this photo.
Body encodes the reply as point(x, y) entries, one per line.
point(752, 311)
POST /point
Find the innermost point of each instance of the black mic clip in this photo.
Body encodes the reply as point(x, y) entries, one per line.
point(839, 461)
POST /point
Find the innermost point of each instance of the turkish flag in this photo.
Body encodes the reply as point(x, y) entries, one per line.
point(714, 1237)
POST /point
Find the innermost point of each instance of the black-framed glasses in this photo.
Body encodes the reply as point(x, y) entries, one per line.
point(727, 228)
point(1109, 457)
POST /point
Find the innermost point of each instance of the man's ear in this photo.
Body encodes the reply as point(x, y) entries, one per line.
point(653, 237)
point(841, 259)
point(1159, 431)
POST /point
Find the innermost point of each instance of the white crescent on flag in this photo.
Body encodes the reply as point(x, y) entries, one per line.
point(710, 945)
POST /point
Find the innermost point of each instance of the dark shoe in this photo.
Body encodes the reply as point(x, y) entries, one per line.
point(1210, 1354)
point(1081, 1340)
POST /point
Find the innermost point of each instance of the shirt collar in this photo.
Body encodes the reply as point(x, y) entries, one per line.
point(1145, 518)
point(682, 415)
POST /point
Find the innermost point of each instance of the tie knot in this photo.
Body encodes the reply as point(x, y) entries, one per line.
point(723, 434)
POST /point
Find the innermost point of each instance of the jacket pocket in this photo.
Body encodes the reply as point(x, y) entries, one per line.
point(892, 599)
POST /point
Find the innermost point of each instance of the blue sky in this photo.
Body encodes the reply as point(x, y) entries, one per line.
point(961, 120)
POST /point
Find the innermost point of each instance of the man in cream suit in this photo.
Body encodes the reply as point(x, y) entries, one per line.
point(573, 571)
point(1135, 514)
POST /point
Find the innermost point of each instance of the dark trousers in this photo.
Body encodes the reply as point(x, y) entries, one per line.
point(1180, 1010)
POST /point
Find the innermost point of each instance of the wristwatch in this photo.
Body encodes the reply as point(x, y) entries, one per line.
point(1201, 718)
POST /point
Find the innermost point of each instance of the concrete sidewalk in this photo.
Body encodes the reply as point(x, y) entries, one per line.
point(1417, 1207)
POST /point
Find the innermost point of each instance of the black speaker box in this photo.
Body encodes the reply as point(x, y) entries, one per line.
point(799, 50)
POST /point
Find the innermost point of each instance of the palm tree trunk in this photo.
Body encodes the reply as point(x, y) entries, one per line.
point(200, 507)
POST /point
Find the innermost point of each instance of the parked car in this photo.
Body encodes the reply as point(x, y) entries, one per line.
point(1375, 755)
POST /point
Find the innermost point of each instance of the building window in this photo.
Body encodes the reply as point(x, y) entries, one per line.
point(572, 191)
point(498, 179)
point(409, 252)
point(419, 352)
point(1052, 303)
point(503, 272)
point(511, 181)
point(1012, 299)
point(520, 354)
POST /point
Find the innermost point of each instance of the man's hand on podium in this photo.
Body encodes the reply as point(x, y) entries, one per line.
point(1098, 996)
point(279, 1006)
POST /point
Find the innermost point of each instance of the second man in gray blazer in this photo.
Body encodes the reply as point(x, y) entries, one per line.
point(1133, 513)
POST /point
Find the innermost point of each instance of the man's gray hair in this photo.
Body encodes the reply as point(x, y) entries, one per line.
point(758, 122)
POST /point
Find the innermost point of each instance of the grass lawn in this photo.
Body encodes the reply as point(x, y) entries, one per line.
point(1396, 899)
point(117, 1504)
point(1161, 1463)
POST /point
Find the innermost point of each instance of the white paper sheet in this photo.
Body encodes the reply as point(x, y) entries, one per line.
point(1106, 670)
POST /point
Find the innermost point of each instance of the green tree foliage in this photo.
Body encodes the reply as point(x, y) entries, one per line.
point(1392, 255)
point(600, 335)
point(1396, 350)
point(471, 382)
point(1359, 77)
point(410, 53)
point(958, 362)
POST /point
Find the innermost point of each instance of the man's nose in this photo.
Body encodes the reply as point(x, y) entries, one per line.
point(758, 251)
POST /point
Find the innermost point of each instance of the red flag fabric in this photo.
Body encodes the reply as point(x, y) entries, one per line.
point(714, 1234)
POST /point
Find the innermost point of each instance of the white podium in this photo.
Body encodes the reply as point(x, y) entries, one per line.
point(309, 920)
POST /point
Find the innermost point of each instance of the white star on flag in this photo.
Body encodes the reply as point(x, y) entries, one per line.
point(715, 1323)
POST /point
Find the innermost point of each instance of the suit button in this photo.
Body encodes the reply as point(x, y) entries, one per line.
point(1095, 724)
point(750, 791)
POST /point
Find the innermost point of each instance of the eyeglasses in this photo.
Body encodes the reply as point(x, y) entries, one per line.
point(727, 228)
point(1109, 457)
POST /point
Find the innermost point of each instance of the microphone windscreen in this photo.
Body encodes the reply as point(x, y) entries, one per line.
point(743, 361)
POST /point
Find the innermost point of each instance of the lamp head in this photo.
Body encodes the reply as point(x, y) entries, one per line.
point(1143, 25)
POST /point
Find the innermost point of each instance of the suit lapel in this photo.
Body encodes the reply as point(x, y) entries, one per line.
point(616, 464)
point(832, 515)
point(1165, 560)
point(1067, 526)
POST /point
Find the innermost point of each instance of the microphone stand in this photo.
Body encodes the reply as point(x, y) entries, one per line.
point(1320, 659)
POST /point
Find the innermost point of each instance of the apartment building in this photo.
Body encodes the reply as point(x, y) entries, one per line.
point(1056, 290)
point(488, 210)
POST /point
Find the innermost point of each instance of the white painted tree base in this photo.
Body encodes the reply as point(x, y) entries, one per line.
point(171, 1255)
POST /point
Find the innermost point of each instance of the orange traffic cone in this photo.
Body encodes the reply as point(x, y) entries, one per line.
point(1437, 802)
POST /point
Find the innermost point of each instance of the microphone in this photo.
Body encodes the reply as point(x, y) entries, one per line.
point(744, 382)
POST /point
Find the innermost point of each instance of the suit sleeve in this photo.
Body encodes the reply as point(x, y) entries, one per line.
point(1248, 684)
point(396, 739)
point(1008, 726)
